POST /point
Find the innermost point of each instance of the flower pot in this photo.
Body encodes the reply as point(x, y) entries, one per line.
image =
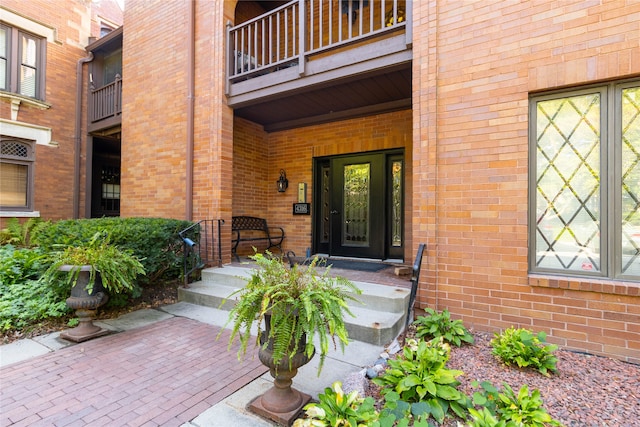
point(281, 403)
point(85, 305)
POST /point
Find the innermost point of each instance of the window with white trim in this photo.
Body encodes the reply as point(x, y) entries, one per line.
point(22, 59)
point(584, 194)
point(16, 174)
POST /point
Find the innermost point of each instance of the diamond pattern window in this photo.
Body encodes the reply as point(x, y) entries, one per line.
point(585, 182)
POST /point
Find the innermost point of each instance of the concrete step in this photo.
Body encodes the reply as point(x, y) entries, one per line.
point(374, 296)
point(378, 320)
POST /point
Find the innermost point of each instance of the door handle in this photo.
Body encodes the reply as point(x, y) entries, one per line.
point(334, 212)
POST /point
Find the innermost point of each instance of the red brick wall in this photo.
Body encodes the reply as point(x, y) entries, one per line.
point(155, 103)
point(258, 158)
point(475, 65)
point(54, 165)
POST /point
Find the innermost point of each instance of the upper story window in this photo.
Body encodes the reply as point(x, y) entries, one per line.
point(22, 62)
point(16, 168)
point(585, 182)
point(112, 64)
point(105, 29)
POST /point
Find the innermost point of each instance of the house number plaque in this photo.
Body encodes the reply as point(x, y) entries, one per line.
point(302, 208)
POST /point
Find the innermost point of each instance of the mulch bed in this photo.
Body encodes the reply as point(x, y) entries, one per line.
point(587, 390)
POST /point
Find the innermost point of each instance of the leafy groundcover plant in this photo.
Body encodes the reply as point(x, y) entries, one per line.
point(336, 409)
point(510, 409)
point(525, 349)
point(24, 297)
point(435, 325)
point(419, 375)
point(417, 388)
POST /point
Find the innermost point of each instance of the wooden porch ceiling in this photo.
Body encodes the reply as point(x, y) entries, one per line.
point(356, 96)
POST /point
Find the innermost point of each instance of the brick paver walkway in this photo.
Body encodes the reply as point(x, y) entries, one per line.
point(164, 374)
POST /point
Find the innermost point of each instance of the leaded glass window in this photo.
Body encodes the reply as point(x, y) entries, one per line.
point(585, 182)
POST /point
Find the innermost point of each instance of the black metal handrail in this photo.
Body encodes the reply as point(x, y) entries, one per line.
point(202, 246)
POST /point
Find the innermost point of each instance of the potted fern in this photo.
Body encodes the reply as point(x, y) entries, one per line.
point(295, 304)
point(92, 271)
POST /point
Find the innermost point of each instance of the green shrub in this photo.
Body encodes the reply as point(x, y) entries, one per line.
point(336, 409)
point(24, 297)
point(154, 241)
point(522, 347)
point(511, 409)
point(437, 325)
point(419, 375)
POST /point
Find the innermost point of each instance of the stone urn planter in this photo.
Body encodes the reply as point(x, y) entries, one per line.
point(91, 271)
point(293, 303)
point(85, 304)
point(281, 403)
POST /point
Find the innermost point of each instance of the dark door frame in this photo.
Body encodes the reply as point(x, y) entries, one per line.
point(321, 208)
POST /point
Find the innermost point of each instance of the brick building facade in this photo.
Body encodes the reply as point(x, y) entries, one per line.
point(44, 121)
point(483, 75)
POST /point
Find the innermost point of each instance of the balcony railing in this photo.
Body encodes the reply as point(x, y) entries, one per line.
point(106, 101)
point(289, 35)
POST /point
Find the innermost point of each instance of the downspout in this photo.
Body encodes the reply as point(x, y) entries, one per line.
point(78, 136)
point(190, 111)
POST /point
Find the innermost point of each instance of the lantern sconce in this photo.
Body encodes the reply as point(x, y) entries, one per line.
point(282, 182)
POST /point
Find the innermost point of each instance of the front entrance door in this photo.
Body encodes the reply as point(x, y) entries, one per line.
point(358, 208)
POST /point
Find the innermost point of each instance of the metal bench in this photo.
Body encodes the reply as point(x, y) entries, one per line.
point(252, 229)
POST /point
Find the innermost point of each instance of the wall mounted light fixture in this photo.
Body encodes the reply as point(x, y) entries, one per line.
point(282, 182)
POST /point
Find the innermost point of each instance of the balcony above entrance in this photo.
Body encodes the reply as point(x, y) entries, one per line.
point(315, 61)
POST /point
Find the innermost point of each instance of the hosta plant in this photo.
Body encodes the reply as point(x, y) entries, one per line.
point(484, 418)
point(337, 409)
point(525, 349)
point(510, 408)
point(398, 413)
point(435, 325)
point(419, 374)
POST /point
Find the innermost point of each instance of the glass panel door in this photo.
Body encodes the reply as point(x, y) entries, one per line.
point(357, 201)
point(355, 204)
point(395, 207)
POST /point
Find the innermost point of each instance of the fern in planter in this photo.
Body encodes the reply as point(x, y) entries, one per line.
point(301, 303)
point(118, 268)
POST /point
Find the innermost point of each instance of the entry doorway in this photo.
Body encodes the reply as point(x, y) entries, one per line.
point(359, 205)
point(105, 177)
